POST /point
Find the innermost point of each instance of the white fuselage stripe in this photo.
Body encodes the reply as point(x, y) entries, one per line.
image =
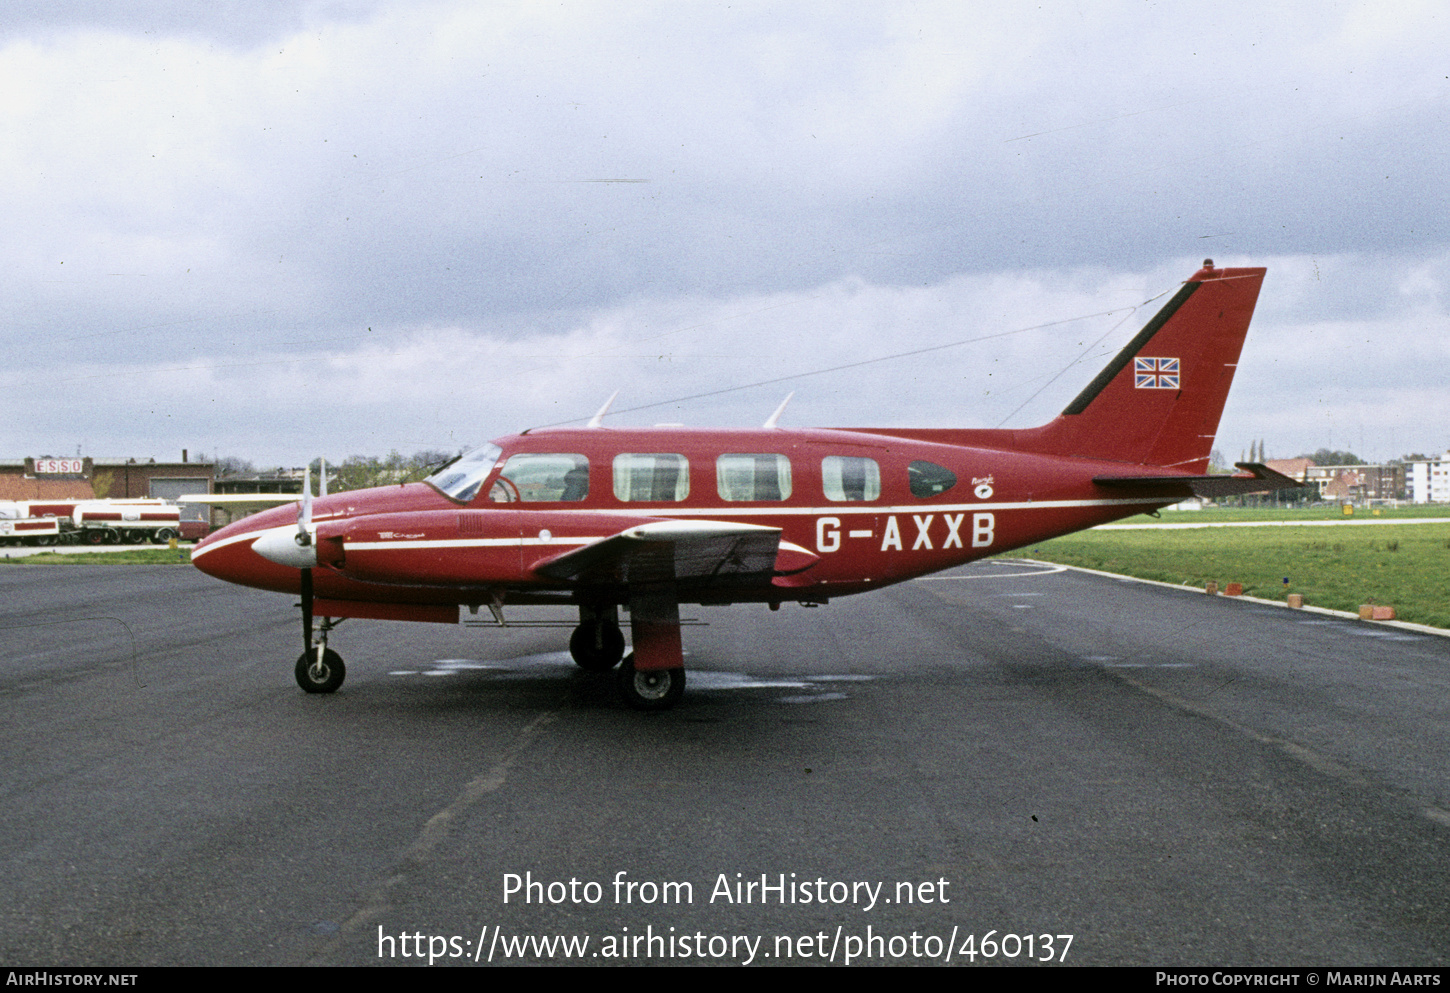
point(373, 546)
point(245, 536)
point(708, 513)
point(856, 507)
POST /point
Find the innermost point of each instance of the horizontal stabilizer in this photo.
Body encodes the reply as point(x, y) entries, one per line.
point(1258, 478)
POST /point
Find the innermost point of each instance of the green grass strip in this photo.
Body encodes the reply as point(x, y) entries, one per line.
point(141, 556)
point(1214, 515)
point(1405, 567)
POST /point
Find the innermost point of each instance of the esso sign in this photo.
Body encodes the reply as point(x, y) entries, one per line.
point(59, 467)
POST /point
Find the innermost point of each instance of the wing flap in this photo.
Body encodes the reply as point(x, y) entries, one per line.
point(690, 553)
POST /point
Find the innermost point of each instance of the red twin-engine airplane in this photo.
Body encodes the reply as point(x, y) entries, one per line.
point(649, 518)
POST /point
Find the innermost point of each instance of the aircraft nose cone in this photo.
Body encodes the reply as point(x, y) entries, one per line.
point(279, 545)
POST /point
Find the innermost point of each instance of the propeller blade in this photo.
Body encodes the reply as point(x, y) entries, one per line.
point(307, 610)
point(304, 512)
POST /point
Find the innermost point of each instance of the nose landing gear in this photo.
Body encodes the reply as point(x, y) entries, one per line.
point(319, 669)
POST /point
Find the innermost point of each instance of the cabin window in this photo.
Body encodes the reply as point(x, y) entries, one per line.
point(753, 477)
point(542, 478)
point(461, 478)
point(651, 477)
point(848, 478)
point(929, 479)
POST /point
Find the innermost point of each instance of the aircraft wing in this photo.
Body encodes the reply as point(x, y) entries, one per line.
point(241, 503)
point(690, 553)
point(1259, 478)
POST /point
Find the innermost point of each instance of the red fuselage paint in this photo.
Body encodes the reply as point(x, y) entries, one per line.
point(413, 544)
point(857, 509)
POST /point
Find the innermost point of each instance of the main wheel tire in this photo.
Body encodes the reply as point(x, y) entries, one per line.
point(597, 647)
point(95, 536)
point(654, 689)
point(320, 676)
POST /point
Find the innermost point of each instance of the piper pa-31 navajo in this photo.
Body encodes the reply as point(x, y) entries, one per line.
point(598, 518)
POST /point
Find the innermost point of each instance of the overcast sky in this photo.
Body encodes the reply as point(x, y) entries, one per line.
point(290, 229)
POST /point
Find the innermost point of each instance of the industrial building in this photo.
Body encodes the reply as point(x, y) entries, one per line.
point(85, 478)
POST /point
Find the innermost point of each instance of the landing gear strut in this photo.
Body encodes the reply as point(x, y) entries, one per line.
point(319, 669)
point(652, 677)
point(597, 643)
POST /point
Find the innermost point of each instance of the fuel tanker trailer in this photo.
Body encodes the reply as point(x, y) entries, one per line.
point(131, 522)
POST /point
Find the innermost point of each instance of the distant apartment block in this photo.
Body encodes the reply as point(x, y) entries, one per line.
point(1429, 481)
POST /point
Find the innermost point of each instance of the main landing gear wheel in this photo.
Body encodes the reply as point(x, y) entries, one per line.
point(597, 647)
point(655, 689)
point(320, 675)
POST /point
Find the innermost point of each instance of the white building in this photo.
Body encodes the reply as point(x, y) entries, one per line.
point(1429, 481)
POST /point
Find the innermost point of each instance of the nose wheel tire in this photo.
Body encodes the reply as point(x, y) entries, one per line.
point(597, 647)
point(320, 675)
point(653, 689)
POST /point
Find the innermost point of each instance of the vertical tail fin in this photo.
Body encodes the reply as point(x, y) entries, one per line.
point(1159, 401)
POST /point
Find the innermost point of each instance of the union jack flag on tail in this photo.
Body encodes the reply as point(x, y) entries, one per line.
point(1155, 374)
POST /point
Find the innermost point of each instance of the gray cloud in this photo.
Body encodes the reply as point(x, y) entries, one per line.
point(381, 225)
